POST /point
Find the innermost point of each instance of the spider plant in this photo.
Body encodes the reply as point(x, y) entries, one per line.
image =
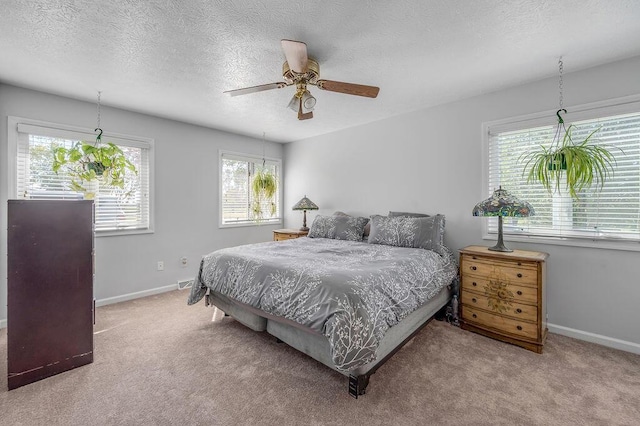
point(583, 163)
point(264, 186)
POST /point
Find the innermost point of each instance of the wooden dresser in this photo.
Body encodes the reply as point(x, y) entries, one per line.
point(287, 234)
point(502, 295)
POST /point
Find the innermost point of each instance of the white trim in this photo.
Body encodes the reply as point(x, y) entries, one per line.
point(609, 342)
point(223, 153)
point(122, 298)
point(136, 295)
point(15, 124)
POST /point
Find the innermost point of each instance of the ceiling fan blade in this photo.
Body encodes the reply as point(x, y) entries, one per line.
point(348, 88)
point(296, 54)
point(304, 116)
point(254, 89)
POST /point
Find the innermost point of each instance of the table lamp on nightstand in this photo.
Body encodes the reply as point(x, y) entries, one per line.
point(500, 204)
point(304, 205)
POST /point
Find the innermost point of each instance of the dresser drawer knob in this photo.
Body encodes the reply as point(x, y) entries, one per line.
point(519, 293)
point(518, 311)
point(474, 300)
point(473, 268)
point(474, 315)
point(519, 327)
point(519, 275)
point(475, 284)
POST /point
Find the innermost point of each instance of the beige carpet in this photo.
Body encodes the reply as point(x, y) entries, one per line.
point(161, 362)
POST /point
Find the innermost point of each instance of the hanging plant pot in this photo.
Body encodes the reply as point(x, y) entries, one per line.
point(97, 167)
point(558, 163)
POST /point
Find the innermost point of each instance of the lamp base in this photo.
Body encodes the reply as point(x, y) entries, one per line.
point(500, 247)
point(304, 228)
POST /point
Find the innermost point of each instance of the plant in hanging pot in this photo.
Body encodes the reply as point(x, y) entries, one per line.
point(567, 164)
point(87, 163)
point(264, 187)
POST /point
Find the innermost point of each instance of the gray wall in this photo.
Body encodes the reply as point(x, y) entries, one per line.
point(186, 194)
point(431, 161)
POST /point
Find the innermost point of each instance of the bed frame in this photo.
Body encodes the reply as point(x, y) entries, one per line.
point(317, 346)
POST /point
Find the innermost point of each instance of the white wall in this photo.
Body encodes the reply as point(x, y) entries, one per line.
point(431, 161)
point(186, 194)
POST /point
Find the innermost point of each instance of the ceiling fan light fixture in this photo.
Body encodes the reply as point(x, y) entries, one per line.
point(293, 103)
point(308, 102)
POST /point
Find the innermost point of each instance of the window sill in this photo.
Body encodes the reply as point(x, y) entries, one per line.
point(123, 232)
point(245, 224)
point(566, 241)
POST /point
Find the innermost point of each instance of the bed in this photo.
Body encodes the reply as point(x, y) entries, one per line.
point(347, 302)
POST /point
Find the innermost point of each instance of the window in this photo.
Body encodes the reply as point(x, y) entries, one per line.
point(236, 198)
point(609, 218)
point(117, 210)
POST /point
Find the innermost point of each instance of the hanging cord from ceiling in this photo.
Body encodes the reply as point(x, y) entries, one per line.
point(99, 137)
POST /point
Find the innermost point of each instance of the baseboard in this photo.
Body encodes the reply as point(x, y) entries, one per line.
point(122, 298)
point(136, 295)
point(595, 338)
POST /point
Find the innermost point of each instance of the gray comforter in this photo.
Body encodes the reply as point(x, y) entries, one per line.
point(351, 292)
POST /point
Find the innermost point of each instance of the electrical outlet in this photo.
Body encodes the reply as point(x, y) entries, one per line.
point(183, 260)
point(160, 265)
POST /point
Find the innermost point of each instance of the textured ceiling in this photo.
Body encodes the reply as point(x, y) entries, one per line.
point(175, 58)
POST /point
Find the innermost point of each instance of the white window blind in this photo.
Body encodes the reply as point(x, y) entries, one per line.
point(236, 198)
point(116, 209)
point(611, 214)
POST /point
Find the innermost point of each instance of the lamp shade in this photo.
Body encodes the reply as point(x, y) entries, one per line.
point(305, 204)
point(500, 204)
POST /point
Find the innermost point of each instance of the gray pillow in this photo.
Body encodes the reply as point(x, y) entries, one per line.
point(402, 231)
point(405, 214)
point(367, 227)
point(338, 227)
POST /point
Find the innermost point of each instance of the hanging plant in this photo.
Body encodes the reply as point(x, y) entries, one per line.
point(581, 163)
point(577, 164)
point(263, 187)
point(91, 163)
point(85, 162)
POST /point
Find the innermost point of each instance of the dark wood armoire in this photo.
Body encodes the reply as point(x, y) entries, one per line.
point(50, 310)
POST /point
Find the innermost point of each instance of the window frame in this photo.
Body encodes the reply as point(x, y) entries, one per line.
point(610, 107)
point(256, 159)
point(75, 131)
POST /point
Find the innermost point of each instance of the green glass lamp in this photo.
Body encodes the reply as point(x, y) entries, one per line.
point(500, 204)
point(304, 205)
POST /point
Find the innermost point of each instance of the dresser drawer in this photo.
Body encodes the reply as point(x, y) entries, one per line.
point(525, 273)
point(500, 323)
point(486, 286)
point(281, 237)
point(505, 307)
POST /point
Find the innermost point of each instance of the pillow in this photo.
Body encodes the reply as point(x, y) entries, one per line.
point(405, 214)
point(367, 227)
point(401, 231)
point(338, 227)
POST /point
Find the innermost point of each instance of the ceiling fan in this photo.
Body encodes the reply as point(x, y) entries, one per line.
point(300, 70)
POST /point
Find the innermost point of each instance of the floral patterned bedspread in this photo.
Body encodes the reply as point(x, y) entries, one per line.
point(351, 292)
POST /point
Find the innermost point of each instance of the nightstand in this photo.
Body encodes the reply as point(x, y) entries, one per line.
point(502, 295)
point(288, 234)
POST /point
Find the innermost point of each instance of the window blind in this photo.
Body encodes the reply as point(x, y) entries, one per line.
point(610, 214)
point(236, 200)
point(116, 209)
